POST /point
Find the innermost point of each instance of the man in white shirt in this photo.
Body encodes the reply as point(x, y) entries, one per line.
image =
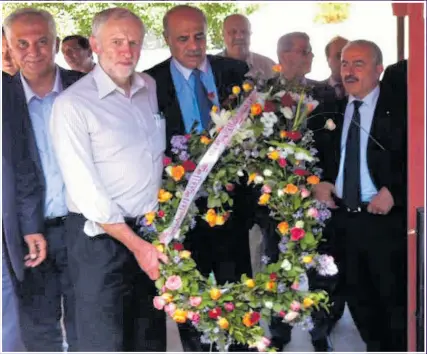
point(109, 143)
point(236, 31)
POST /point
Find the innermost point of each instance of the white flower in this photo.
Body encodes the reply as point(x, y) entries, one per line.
point(240, 173)
point(286, 265)
point(267, 173)
point(178, 194)
point(280, 94)
point(326, 265)
point(268, 304)
point(270, 149)
point(299, 224)
point(290, 316)
point(245, 132)
point(280, 193)
point(258, 179)
point(169, 170)
point(330, 125)
point(287, 112)
point(300, 155)
point(268, 132)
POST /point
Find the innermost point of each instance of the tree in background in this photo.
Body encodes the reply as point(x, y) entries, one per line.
point(332, 12)
point(76, 18)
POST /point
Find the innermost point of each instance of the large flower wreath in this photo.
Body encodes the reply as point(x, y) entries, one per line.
point(266, 138)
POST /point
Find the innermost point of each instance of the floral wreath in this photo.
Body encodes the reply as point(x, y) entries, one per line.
point(274, 148)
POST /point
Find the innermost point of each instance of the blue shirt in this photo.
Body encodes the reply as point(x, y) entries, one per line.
point(40, 109)
point(185, 91)
point(367, 110)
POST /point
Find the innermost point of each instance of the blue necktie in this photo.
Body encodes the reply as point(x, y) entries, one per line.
point(203, 102)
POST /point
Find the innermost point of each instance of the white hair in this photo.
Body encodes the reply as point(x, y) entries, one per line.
point(29, 11)
point(377, 54)
point(115, 12)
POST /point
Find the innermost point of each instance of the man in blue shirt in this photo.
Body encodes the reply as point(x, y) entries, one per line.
point(31, 35)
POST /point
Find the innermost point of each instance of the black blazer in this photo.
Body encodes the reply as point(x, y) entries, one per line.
point(388, 166)
point(227, 73)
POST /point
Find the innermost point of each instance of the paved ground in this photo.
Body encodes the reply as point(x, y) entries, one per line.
point(345, 338)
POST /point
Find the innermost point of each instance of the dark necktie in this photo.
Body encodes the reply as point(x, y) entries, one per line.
point(203, 102)
point(351, 189)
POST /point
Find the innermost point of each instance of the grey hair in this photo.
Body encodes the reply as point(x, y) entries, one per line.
point(236, 15)
point(286, 42)
point(177, 9)
point(116, 13)
point(376, 51)
point(29, 11)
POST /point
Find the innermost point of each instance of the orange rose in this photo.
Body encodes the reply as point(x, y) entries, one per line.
point(283, 134)
point(270, 285)
point(264, 199)
point(283, 228)
point(180, 316)
point(214, 109)
point(247, 87)
point(210, 217)
point(167, 296)
point(205, 140)
point(273, 155)
point(290, 189)
point(223, 323)
point(277, 68)
point(215, 293)
point(313, 180)
point(252, 177)
point(220, 220)
point(177, 173)
point(256, 109)
point(247, 320)
point(164, 196)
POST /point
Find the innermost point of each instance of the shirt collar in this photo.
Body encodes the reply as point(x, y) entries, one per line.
point(332, 82)
point(30, 94)
point(203, 67)
point(106, 85)
point(370, 99)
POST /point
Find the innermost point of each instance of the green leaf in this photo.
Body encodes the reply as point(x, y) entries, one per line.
point(159, 283)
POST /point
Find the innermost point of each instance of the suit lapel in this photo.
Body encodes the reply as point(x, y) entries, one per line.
point(339, 122)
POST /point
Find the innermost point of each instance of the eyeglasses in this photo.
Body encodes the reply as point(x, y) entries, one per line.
point(303, 52)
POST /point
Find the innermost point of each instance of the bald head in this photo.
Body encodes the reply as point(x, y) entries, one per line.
point(180, 12)
point(236, 31)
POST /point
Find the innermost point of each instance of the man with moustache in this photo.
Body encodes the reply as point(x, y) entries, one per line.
point(46, 289)
point(109, 142)
point(188, 84)
point(77, 53)
point(364, 181)
point(8, 65)
point(237, 33)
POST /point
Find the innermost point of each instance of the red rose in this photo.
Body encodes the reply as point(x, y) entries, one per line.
point(215, 313)
point(297, 234)
point(167, 161)
point(187, 136)
point(273, 276)
point(229, 187)
point(287, 100)
point(282, 162)
point(178, 246)
point(160, 213)
point(294, 135)
point(269, 106)
point(301, 172)
point(282, 313)
point(255, 317)
point(189, 166)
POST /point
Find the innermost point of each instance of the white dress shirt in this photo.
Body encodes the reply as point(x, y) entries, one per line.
point(109, 148)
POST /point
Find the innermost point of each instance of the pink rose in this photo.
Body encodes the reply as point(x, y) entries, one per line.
point(170, 308)
point(167, 161)
point(266, 189)
point(190, 315)
point(229, 306)
point(282, 162)
point(295, 286)
point(297, 233)
point(262, 344)
point(164, 289)
point(295, 306)
point(173, 282)
point(305, 193)
point(159, 302)
point(229, 187)
point(195, 300)
point(313, 212)
point(196, 318)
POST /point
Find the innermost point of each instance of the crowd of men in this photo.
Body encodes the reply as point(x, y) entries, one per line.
point(82, 160)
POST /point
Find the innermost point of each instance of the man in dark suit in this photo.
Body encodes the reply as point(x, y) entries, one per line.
point(364, 162)
point(31, 35)
point(395, 79)
point(188, 84)
point(22, 208)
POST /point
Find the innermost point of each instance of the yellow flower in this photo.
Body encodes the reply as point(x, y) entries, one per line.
point(307, 302)
point(164, 196)
point(247, 320)
point(150, 217)
point(256, 109)
point(283, 134)
point(177, 172)
point(205, 140)
point(307, 259)
point(215, 293)
point(220, 220)
point(160, 248)
point(283, 228)
point(247, 87)
point(180, 316)
point(235, 90)
point(167, 296)
point(273, 155)
point(210, 217)
point(185, 254)
point(214, 109)
point(270, 285)
point(290, 189)
point(223, 323)
point(313, 180)
point(264, 199)
point(250, 283)
point(252, 177)
point(277, 68)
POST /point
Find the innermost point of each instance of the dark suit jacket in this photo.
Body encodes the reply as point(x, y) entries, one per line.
point(22, 199)
point(388, 167)
point(395, 79)
point(68, 77)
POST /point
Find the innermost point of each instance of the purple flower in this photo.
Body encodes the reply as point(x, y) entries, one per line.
point(281, 288)
point(179, 142)
point(193, 223)
point(176, 259)
point(283, 247)
point(313, 151)
point(255, 153)
point(298, 215)
point(183, 155)
point(265, 259)
point(247, 153)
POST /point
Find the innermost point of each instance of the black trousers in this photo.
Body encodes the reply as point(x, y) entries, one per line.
point(375, 248)
point(114, 297)
point(41, 293)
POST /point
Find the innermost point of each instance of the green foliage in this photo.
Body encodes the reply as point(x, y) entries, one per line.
point(332, 12)
point(76, 18)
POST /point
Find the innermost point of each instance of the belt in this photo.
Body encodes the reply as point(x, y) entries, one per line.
point(55, 222)
point(362, 207)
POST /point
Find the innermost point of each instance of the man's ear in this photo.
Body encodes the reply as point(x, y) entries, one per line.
point(94, 46)
point(165, 37)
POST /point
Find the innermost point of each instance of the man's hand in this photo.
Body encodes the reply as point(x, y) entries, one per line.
point(148, 258)
point(37, 250)
point(381, 203)
point(323, 193)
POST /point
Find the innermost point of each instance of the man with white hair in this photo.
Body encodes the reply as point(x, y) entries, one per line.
point(109, 141)
point(46, 289)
